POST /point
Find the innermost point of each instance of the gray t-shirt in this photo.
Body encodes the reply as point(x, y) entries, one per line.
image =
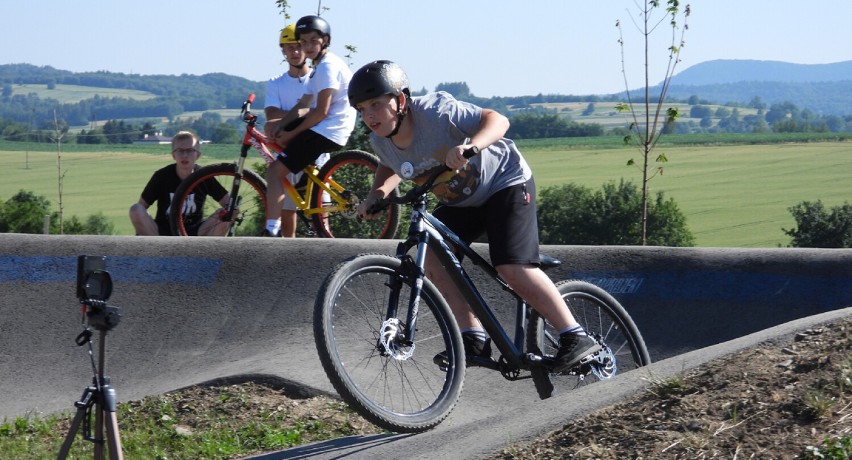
point(440, 123)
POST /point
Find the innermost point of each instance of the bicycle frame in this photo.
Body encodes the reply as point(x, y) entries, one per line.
point(426, 231)
point(375, 346)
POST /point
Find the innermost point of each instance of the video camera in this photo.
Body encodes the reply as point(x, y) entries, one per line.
point(94, 287)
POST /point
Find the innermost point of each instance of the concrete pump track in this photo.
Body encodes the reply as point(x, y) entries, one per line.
point(196, 310)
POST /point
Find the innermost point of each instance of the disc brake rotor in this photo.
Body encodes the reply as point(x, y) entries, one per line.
point(389, 341)
point(603, 364)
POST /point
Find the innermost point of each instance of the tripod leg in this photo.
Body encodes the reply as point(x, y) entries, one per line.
point(113, 436)
point(108, 414)
point(72, 433)
point(98, 435)
point(83, 406)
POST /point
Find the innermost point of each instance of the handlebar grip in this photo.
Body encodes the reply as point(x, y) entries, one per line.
point(471, 152)
point(246, 108)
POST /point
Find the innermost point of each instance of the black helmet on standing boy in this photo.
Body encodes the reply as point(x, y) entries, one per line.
point(315, 24)
point(377, 79)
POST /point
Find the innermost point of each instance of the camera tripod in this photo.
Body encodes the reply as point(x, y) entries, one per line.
point(100, 395)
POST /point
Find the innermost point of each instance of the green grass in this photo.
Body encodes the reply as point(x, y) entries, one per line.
point(733, 195)
point(198, 423)
point(108, 180)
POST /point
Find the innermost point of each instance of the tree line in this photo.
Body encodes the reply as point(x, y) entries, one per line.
point(28, 117)
point(568, 214)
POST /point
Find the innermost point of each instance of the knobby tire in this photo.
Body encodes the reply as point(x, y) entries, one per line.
point(354, 170)
point(410, 395)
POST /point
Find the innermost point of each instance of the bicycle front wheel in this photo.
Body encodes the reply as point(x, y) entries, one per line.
point(605, 320)
point(354, 170)
point(365, 352)
point(250, 218)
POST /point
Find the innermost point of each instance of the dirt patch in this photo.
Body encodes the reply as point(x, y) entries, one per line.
point(769, 402)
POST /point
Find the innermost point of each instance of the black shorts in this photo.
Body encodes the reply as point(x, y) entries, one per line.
point(165, 229)
point(508, 218)
point(304, 150)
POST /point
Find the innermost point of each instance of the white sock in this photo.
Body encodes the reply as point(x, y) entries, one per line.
point(273, 226)
point(477, 333)
point(573, 330)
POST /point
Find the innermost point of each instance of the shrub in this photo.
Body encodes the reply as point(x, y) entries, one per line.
point(816, 227)
point(572, 214)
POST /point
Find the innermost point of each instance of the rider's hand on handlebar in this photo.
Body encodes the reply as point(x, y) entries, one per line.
point(368, 208)
point(455, 159)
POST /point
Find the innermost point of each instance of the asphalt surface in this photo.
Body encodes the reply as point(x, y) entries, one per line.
point(196, 310)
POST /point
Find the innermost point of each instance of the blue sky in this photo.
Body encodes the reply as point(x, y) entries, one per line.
point(500, 48)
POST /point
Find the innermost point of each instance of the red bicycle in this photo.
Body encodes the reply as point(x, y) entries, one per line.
point(326, 198)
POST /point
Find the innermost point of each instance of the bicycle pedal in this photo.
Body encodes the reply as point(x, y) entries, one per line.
point(471, 361)
point(478, 361)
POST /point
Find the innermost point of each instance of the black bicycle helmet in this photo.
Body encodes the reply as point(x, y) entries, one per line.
point(376, 79)
point(313, 23)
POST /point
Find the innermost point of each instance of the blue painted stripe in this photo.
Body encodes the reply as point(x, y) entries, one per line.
point(123, 269)
point(726, 286)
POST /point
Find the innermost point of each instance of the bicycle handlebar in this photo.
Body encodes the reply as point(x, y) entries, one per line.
point(245, 111)
point(417, 191)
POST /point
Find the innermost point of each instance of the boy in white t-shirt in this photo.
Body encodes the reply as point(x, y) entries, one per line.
point(326, 126)
point(282, 94)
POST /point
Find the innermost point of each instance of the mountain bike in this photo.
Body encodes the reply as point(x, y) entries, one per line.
point(326, 198)
point(380, 325)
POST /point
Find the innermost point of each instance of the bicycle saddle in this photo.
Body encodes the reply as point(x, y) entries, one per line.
point(548, 262)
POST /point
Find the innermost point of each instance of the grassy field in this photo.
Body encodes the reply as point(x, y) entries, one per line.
point(606, 115)
point(106, 181)
point(72, 94)
point(732, 195)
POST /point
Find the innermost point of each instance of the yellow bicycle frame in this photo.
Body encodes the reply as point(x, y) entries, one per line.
point(339, 203)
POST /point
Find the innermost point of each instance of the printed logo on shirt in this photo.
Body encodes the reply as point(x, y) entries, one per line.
point(406, 170)
point(188, 205)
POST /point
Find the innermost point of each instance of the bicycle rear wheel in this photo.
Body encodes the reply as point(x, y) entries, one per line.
point(250, 219)
point(604, 319)
point(354, 170)
point(393, 384)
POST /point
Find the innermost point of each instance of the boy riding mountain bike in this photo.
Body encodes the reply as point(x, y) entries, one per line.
point(493, 193)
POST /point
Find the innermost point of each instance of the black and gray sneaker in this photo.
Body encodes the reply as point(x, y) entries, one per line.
point(572, 349)
point(267, 233)
point(476, 352)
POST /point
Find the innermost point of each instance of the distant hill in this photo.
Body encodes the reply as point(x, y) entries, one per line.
point(825, 89)
point(176, 94)
point(822, 88)
point(732, 71)
point(221, 90)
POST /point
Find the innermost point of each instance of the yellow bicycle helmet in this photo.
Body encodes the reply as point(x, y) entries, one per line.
point(288, 35)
